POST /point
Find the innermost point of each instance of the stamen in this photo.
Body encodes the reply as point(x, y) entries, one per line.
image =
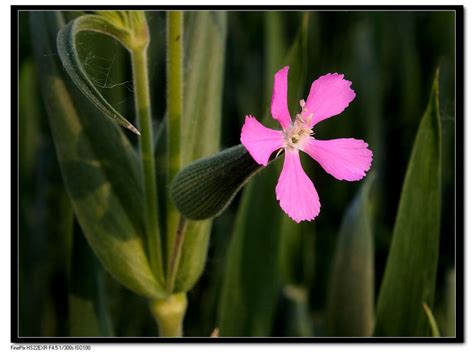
point(299, 130)
point(300, 119)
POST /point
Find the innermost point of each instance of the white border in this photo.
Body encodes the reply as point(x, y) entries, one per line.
point(5, 143)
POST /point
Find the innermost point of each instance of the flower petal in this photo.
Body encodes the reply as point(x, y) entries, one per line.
point(295, 191)
point(279, 107)
point(259, 140)
point(329, 95)
point(345, 159)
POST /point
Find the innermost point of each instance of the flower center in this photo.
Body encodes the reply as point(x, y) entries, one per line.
point(296, 135)
point(298, 132)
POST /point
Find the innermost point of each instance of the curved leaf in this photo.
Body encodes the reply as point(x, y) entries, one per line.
point(410, 275)
point(251, 278)
point(431, 320)
point(100, 168)
point(67, 49)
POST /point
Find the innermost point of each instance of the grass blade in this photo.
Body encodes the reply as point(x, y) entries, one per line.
point(410, 274)
point(432, 320)
point(351, 290)
point(204, 48)
point(251, 279)
point(88, 315)
point(100, 168)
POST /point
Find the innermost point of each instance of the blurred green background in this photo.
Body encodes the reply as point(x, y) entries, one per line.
point(391, 59)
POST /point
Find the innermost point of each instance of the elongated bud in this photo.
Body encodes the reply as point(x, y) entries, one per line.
point(206, 187)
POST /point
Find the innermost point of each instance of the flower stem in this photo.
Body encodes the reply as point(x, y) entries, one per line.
point(174, 67)
point(143, 111)
point(175, 255)
point(169, 314)
point(175, 89)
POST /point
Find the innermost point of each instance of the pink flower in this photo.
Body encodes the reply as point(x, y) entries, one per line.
point(345, 158)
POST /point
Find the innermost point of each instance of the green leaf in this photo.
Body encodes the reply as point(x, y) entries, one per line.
point(206, 187)
point(350, 310)
point(45, 219)
point(204, 48)
point(67, 49)
point(88, 315)
point(29, 115)
point(297, 59)
point(297, 255)
point(274, 46)
point(410, 274)
point(100, 168)
point(251, 281)
point(205, 38)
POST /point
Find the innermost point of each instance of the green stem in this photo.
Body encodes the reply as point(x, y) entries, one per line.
point(174, 67)
point(175, 255)
point(143, 111)
point(431, 320)
point(169, 314)
point(175, 89)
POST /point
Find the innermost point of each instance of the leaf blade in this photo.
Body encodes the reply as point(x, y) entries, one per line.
point(205, 43)
point(88, 315)
point(66, 44)
point(351, 289)
point(99, 166)
point(415, 241)
point(251, 279)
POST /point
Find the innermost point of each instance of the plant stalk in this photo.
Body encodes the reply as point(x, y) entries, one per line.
point(174, 68)
point(175, 89)
point(176, 255)
point(143, 112)
point(169, 314)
